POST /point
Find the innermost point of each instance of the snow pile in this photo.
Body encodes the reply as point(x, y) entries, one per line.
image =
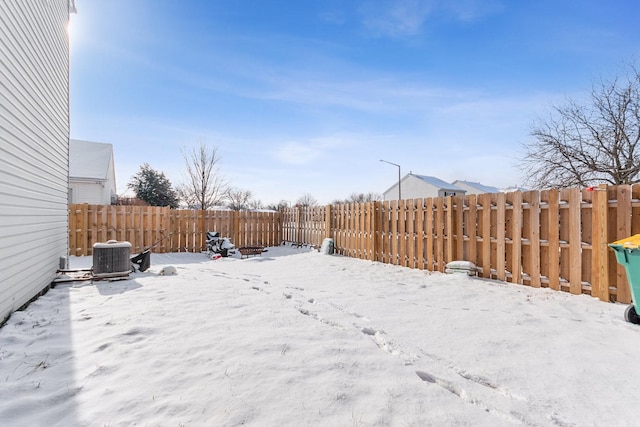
point(294, 337)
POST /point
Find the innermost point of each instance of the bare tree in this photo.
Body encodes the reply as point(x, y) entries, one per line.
point(256, 204)
point(359, 198)
point(204, 186)
point(237, 199)
point(364, 197)
point(282, 204)
point(584, 144)
point(306, 200)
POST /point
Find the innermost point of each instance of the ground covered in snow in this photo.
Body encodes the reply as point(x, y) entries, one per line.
point(295, 337)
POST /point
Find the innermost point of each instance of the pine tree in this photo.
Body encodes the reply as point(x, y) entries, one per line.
point(153, 187)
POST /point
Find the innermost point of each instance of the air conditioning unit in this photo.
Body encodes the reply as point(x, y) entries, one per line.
point(111, 259)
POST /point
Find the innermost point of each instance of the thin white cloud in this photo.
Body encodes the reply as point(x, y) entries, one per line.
point(370, 94)
point(471, 10)
point(334, 17)
point(396, 18)
point(297, 153)
point(305, 152)
point(405, 18)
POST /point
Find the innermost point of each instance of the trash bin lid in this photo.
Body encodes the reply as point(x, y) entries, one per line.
point(632, 242)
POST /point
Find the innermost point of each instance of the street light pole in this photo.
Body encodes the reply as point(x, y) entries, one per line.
point(399, 189)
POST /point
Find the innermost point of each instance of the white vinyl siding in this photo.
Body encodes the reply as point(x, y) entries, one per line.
point(92, 193)
point(34, 146)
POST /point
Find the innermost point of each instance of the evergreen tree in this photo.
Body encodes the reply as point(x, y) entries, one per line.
point(153, 187)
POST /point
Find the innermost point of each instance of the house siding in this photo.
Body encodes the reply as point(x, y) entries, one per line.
point(422, 187)
point(87, 192)
point(34, 146)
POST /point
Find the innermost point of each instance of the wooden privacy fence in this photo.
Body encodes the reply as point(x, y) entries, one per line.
point(552, 238)
point(185, 230)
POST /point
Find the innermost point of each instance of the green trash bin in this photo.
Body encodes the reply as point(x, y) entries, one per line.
point(628, 254)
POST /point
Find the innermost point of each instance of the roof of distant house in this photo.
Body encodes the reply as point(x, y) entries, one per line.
point(89, 159)
point(478, 186)
point(437, 182)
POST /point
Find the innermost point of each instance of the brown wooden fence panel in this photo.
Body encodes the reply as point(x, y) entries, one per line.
point(182, 230)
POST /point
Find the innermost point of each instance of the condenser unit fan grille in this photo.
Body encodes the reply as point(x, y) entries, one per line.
point(111, 259)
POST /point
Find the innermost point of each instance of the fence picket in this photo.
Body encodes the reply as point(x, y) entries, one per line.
point(534, 238)
point(515, 230)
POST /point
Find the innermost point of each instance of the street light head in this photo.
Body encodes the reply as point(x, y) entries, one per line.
point(399, 181)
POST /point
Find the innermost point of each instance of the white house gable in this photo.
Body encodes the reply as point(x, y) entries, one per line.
point(414, 186)
point(91, 173)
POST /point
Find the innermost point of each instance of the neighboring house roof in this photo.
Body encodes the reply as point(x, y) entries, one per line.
point(475, 187)
point(89, 160)
point(512, 189)
point(438, 183)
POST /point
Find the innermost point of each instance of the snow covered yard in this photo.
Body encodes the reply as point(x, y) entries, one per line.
point(294, 337)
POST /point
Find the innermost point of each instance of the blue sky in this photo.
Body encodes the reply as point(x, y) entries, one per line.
point(305, 97)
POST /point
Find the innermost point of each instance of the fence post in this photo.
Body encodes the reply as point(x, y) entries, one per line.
point(500, 236)
point(377, 229)
point(448, 232)
point(84, 231)
point(553, 239)
point(575, 242)
point(279, 235)
point(623, 230)
point(438, 224)
point(419, 218)
point(599, 249)
point(459, 227)
point(485, 202)
point(328, 223)
point(471, 228)
point(298, 224)
point(516, 237)
point(534, 239)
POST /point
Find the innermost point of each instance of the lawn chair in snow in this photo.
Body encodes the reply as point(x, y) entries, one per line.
point(219, 245)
